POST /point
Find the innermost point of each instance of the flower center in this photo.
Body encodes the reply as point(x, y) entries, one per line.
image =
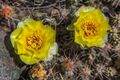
point(89, 28)
point(34, 41)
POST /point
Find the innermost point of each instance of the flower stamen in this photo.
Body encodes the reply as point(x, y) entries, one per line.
point(34, 41)
point(90, 28)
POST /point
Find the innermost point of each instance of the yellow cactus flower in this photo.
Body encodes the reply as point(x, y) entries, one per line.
point(90, 27)
point(32, 41)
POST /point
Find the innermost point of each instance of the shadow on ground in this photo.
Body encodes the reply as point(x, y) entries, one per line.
point(11, 51)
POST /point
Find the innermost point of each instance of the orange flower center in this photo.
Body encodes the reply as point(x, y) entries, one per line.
point(34, 41)
point(90, 28)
